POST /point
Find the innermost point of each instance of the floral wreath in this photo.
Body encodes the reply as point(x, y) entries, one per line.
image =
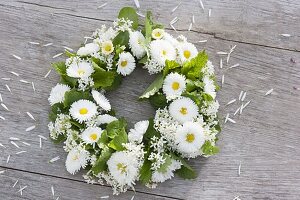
point(185, 124)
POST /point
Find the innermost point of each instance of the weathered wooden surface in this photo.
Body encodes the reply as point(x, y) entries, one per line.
point(265, 138)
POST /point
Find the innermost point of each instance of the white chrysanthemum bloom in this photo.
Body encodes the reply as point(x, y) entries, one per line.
point(158, 33)
point(211, 108)
point(88, 49)
point(91, 135)
point(183, 109)
point(57, 94)
point(159, 177)
point(187, 51)
point(107, 47)
point(126, 63)
point(83, 110)
point(137, 44)
point(80, 69)
point(168, 37)
point(162, 50)
point(189, 139)
point(136, 134)
point(209, 68)
point(174, 85)
point(209, 87)
point(76, 159)
point(123, 168)
point(101, 100)
point(105, 119)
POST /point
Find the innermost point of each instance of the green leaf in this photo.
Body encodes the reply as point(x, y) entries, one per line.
point(77, 124)
point(170, 65)
point(60, 138)
point(121, 39)
point(195, 96)
point(119, 140)
point(143, 60)
point(100, 164)
point(192, 69)
point(145, 172)
point(164, 167)
point(55, 110)
point(60, 67)
point(115, 127)
point(154, 87)
point(103, 78)
point(69, 54)
point(207, 97)
point(116, 83)
point(104, 138)
point(74, 95)
point(130, 13)
point(186, 171)
point(208, 149)
point(151, 131)
point(158, 101)
point(70, 81)
point(148, 27)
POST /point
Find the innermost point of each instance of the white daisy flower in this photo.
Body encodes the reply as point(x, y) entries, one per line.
point(187, 51)
point(174, 85)
point(80, 69)
point(88, 49)
point(101, 100)
point(107, 47)
point(57, 94)
point(162, 50)
point(126, 63)
point(157, 33)
point(209, 87)
point(183, 109)
point(76, 159)
point(137, 44)
point(136, 134)
point(105, 119)
point(190, 138)
point(159, 177)
point(83, 110)
point(91, 135)
point(123, 168)
point(168, 37)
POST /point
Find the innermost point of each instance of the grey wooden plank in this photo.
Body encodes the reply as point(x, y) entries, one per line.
point(257, 22)
point(264, 139)
point(40, 187)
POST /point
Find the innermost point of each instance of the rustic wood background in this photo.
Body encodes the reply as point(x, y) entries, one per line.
point(265, 140)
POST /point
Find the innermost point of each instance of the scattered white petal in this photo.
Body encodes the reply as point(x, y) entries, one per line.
point(101, 6)
point(17, 57)
point(6, 79)
point(221, 63)
point(236, 198)
point(27, 144)
point(7, 160)
point(232, 49)
point(190, 27)
point(223, 79)
point(241, 94)
point(173, 27)
point(24, 81)
point(43, 137)
point(4, 106)
point(244, 96)
point(1, 172)
point(8, 88)
point(193, 19)
point(20, 152)
point(140, 14)
point(228, 57)
point(1, 98)
point(21, 189)
point(104, 197)
point(68, 48)
point(137, 3)
point(233, 66)
point(241, 108)
point(231, 120)
point(13, 143)
point(231, 102)
point(269, 92)
point(57, 198)
point(52, 190)
point(1, 117)
point(237, 110)
point(201, 4)
point(14, 139)
point(40, 143)
point(246, 104)
point(30, 115)
point(15, 183)
point(239, 171)
point(36, 43)
point(209, 12)
point(1, 145)
point(33, 87)
point(175, 8)
point(48, 73)
point(30, 128)
point(286, 35)
point(226, 118)
point(132, 198)
point(54, 159)
point(48, 44)
point(14, 73)
point(174, 20)
point(222, 53)
point(57, 55)
point(202, 41)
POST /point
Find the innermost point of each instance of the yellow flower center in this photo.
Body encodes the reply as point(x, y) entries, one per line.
point(83, 111)
point(107, 48)
point(187, 54)
point(81, 71)
point(121, 167)
point(75, 157)
point(190, 137)
point(183, 111)
point(164, 52)
point(93, 136)
point(157, 34)
point(175, 86)
point(124, 63)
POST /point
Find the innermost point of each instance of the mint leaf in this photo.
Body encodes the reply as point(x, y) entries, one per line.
point(104, 138)
point(60, 67)
point(158, 101)
point(154, 87)
point(208, 149)
point(74, 95)
point(103, 78)
point(170, 65)
point(192, 69)
point(130, 13)
point(100, 164)
point(119, 140)
point(114, 127)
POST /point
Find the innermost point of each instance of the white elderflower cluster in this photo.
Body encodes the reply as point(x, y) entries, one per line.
point(162, 176)
point(157, 155)
point(60, 127)
point(123, 24)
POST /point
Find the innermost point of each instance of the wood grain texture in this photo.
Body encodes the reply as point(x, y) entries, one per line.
point(256, 22)
point(265, 138)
